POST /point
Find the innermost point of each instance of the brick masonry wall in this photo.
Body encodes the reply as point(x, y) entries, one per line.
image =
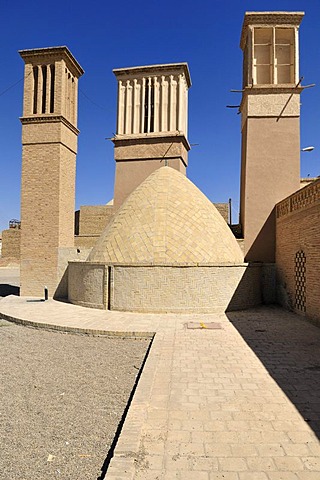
point(92, 221)
point(297, 230)
point(223, 209)
point(170, 288)
point(88, 284)
point(66, 254)
point(94, 218)
point(47, 214)
point(39, 219)
point(85, 241)
point(49, 142)
point(11, 243)
point(185, 289)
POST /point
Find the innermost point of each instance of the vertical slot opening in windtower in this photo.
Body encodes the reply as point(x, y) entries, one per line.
point(44, 87)
point(35, 89)
point(149, 106)
point(152, 106)
point(68, 95)
point(52, 80)
point(146, 107)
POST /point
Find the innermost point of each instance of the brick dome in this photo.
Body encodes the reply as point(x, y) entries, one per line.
point(165, 220)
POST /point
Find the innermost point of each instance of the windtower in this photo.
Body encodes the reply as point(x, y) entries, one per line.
point(49, 140)
point(151, 123)
point(270, 111)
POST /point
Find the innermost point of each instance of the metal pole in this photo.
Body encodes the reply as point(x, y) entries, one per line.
point(230, 217)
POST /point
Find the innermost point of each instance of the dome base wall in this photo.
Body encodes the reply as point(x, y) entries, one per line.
point(147, 288)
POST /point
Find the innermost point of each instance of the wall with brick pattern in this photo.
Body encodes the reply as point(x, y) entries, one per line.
point(49, 139)
point(88, 284)
point(47, 213)
point(11, 243)
point(297, 230)
point(168, 288)
point(197, 289)
point(94, 218)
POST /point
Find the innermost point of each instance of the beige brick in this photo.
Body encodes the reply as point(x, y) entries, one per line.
point(232, 464)
point(311, 463)
point(11, 239)
point(297, 230)
point(290, 464)
point(49, 150)
point(282, 476)
point(307, 476)
point(253, 476)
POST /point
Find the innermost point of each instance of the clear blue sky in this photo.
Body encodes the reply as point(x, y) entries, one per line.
point(108, 34)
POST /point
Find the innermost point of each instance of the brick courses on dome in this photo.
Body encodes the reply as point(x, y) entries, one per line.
point(167, 219)
point(167, 249)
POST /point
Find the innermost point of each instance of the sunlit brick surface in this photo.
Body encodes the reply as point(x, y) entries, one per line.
point(167, 219)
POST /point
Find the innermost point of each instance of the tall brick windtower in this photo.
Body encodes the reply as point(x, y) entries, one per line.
point(151, 124)
point(270, 108)
point(49, 139)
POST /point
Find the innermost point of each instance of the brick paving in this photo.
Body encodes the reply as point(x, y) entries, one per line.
point(236, 403)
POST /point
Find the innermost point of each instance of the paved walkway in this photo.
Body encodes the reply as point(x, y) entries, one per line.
point(240, 402)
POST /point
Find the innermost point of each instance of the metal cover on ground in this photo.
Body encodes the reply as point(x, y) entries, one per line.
point(202, 325)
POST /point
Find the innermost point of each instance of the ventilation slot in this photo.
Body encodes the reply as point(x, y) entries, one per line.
point(52, 73)
point(149, 106)
point(44, 87)
point(35, 89)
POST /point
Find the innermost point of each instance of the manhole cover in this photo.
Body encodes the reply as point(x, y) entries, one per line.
point(203, 325)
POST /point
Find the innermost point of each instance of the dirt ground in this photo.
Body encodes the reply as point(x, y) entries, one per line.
point(62, 398)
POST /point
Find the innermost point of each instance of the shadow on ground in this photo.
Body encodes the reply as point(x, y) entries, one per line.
point(6, 289)
point(288, 347)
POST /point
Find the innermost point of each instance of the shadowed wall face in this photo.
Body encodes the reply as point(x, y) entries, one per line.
point(271, 173)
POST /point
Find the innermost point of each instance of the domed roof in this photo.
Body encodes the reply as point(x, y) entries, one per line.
point(167, 219)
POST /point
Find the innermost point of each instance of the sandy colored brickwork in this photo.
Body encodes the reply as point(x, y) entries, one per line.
point(49, 140)
point(298, 231)
point(94, 218)
point(170, 288)
point(11, 243)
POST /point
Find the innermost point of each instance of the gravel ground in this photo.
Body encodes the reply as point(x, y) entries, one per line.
point(62, 398)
